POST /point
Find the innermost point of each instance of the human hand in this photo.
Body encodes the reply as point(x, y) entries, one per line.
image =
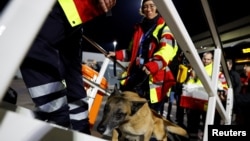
point(222, 95)
point(110, 54)
point(106, 5)
point(146, 70)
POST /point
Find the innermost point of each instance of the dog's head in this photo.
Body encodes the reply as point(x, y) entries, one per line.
point(118, 109)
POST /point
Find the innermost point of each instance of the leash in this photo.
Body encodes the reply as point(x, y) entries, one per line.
point(103, 51)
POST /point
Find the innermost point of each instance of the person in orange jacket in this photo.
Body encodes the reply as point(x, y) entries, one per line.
point(55, 57)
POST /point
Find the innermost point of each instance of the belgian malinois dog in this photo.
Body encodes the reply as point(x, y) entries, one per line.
point(128, 117)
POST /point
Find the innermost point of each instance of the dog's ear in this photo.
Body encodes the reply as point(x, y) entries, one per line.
point(136, 105)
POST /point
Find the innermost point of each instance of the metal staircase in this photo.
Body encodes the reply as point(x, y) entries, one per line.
point(170, 14)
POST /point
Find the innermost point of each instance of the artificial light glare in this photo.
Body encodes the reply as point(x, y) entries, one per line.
point(246, 50)
point(114, 43)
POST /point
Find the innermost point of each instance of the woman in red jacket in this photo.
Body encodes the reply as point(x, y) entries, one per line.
point(152, 49)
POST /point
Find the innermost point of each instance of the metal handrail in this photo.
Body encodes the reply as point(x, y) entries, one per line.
point(103, 51)
point(17, 32)
point(171, 16)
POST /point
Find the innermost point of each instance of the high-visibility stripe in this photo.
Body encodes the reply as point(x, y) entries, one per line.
point(166, 53)
point(45, 89)
point(167, 30)
point(79, 116)
point(154, 86)
point(169, 47)
point(75, 105)
point(152, 90)
point(53, 105)
point(156, 31)
point(159, 63)
point(124, 74)
point(153, 96)
point(71, 12)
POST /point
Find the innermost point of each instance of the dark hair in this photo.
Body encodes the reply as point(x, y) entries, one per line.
point(230, 61)
point(144, 2)
point(209, 52)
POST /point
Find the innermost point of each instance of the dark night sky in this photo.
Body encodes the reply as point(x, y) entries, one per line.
point(105, 29)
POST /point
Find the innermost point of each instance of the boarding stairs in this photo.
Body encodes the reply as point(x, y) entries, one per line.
point(170, 14)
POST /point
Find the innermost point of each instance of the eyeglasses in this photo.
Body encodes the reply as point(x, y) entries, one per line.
point(151, 6)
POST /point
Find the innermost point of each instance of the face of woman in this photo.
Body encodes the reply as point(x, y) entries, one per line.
point(149, 9)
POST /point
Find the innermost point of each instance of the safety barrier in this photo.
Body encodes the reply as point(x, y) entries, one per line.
point(170, 14)
point(19, 23)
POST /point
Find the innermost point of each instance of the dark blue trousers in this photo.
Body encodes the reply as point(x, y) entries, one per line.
point(52, 73)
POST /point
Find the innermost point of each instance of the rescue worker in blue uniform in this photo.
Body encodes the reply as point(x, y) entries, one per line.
point(55, 57)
